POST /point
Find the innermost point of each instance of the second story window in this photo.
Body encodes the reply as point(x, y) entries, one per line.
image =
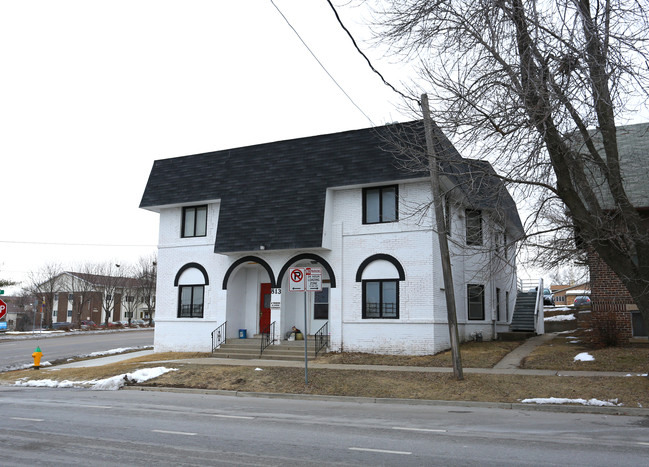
point(473, 227)
point(194, 221)
point(380, 204)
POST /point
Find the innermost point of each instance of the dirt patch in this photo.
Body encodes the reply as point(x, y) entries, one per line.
point(560, 352)
point(632, 392)
point(557, 354)
point(474, 355)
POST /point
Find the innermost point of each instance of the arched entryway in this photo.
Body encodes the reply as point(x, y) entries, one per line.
point(248, 282)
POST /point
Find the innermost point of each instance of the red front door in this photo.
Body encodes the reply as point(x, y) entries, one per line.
point(264, 308)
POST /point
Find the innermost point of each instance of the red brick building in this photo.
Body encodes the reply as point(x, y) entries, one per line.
point(615, 317)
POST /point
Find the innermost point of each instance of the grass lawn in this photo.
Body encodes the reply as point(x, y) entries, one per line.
point(557, 354)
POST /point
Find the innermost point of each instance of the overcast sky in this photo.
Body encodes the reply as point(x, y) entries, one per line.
point(92, 92)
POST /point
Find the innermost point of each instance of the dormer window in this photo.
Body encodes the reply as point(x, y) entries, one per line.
point(380, 204)
point(194, 221)
point(473, 227)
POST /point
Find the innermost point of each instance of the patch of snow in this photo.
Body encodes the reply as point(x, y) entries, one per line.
point(258, 369)
point(25, 366)
point(561, 400)
point(49, 383)
point(115, 351)
point(639, 374)
point(569, 317)
point(107, 384)
point(138, 376)
point(584, 357)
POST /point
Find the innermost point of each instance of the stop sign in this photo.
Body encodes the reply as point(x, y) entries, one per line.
point(3, 309)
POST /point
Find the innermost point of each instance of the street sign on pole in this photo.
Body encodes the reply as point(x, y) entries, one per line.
point(313, 279)
point(3, 309)
point(296, 280)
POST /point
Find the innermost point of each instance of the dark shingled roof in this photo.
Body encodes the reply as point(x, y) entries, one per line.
point(633, 148)
point(273, 194)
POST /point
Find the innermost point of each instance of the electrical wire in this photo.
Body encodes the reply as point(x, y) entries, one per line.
point(320, 63)
point(72, 244)
point(367, 59)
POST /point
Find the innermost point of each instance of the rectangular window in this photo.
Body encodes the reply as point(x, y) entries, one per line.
point(191, 301)
point(507, 306)
point(498, 317)
point(69, 313)
point(70, 297)
point(321, 304)
point(475, 299)
point(447, 214)
point(381, 299)
point(194, 221)
point(473, 227)
point(380, 204)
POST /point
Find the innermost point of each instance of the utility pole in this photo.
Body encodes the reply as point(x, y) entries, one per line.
point(433, 169)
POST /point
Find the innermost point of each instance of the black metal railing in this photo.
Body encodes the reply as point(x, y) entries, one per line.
point(322, 338)
point(218, 336)
point(267, 337)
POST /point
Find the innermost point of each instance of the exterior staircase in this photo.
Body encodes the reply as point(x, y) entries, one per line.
point(523, 318)
point(248, 349)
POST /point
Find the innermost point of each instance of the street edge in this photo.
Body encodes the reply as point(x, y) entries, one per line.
point(616, 410)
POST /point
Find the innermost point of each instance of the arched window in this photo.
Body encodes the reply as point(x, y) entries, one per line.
point(380, 276)
point(191, 281)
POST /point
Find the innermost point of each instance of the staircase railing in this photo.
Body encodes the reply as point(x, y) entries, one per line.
point(322, 338)
point(218, 336)
point(267, 337)
point(539, 317)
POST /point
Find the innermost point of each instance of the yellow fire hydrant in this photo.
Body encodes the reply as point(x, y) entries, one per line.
point(37, 358)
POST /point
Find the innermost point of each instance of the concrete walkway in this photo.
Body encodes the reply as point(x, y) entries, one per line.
point(514, 358)
point(507, 366)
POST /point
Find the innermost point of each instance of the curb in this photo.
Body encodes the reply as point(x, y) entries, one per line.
point(621, 410)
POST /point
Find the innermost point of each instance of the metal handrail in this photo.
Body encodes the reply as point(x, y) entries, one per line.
point(219, 336)
point(322, 338)
point(539, 318)
point(267, 337)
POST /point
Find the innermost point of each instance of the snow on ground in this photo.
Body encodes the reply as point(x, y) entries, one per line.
point(23, 367)
point(561, 400)
point(108, 384)
point(115, 351)
point(14, 335)
point(584, 357)
point(569, 317)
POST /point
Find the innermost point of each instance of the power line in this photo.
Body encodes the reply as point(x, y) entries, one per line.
point(73, 244)
point(320, 63)
point(367, 59)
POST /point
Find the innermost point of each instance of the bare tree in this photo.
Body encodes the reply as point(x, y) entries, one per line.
point(84, 291)
point(146, 274)
point(44, 284)
point(131, 293)
point(537, 87)
point(111, 281)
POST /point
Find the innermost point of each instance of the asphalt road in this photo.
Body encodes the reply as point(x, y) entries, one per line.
point(14, 352)
point(82, 427)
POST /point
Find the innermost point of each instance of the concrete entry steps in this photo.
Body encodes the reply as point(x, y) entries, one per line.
point(248, 349)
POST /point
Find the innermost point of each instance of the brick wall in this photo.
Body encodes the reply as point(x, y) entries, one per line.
point(610, 317)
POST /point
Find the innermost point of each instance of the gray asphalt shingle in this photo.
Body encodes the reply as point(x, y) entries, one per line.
point(273, 194)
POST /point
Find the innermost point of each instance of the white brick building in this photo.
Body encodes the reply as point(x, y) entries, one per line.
point(233, 222)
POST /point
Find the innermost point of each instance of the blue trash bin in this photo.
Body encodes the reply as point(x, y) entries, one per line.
point(243, 333)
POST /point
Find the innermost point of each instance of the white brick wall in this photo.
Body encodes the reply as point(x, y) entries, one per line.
point(422, 325)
